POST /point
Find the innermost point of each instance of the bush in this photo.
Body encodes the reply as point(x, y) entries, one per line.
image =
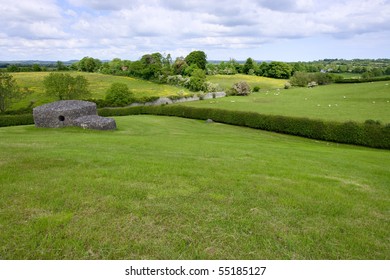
point(197, 80)
point(241, 88)
point(368, 134)
point(303, 79)
point(256, 89)
point(12, 120)
point(118, 95)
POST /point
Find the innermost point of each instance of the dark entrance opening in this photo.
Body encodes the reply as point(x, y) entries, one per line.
point(61, 118)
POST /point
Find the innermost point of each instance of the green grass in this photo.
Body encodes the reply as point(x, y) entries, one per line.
point(338, 102)
point(171, 188)
point(227, 81)
point(99, 83)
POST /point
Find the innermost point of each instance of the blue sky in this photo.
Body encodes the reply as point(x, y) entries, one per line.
point(284, 30)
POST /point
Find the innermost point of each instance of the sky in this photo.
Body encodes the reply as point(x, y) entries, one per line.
point(281, 30)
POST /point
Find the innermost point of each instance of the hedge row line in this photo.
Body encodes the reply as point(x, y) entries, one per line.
point(362, 80)
point(12, 120)
point(370, 134)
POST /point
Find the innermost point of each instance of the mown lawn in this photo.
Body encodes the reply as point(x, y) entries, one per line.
point(171, 188)
point(338, 102)
point(98, 85)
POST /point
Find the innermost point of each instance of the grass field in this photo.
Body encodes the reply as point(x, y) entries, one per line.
point(339, 102)
point(99, 84)
point(171, 188)
point(227, 81)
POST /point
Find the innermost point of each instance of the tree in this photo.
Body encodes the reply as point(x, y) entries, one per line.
point(151, 65)
point(61, 66)
point(179, 66)
point(197, 80)
point(119, 95)
point(279, 70)
point(249, 64)
point(89, 64)
point(197, 57)
point(65, 87)
point(9, 91)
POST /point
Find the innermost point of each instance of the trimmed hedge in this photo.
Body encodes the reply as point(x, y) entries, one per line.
point(12, 120)
point(370, 134)
point(362, 80)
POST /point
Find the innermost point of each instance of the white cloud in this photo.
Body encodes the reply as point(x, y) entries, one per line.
point(129, 28)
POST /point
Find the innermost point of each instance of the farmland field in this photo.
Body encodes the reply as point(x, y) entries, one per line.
point(227, 81)
point(338, 102)
point(171, 188)
point(98, 84)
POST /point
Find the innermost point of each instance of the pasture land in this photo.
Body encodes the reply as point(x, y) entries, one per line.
point(171, 188)
point(227, 81)
point(98, 84)
point(338, 102)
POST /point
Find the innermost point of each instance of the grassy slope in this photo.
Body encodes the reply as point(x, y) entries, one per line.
point(170, 188)
point(340, 102)
point(227, 81)
point(99, 84)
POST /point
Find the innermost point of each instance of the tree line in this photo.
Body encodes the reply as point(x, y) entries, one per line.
point(159, 67)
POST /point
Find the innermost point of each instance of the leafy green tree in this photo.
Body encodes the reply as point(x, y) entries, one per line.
point(197, 80)
point(151, 66)
point(89, 64)
point(262, 69)
point(9, 91)
point(65, 87)
point(119, 95)
point(61, 66)
point(279, 70)
point(197, 57)
point(13, 68)
point(249, 64)
point(36, 68)
point(179, 66)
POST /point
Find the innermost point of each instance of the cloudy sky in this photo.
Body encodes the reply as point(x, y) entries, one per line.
point(284, 30)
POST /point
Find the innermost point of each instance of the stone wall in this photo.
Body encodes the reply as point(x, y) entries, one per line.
point(166, 101)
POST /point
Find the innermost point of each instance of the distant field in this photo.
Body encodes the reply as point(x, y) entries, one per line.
point(99, 84)
point(172, 188)
point(339, 102)
point(227, 81)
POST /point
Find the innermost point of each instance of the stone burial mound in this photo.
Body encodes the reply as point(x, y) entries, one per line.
point(71, 113)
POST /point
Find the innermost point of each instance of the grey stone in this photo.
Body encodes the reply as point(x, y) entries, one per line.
point(95, 122)
point(209, 121)
point(67, 113)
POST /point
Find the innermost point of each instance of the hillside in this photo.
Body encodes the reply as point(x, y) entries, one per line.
point(173, 188)
point(98, 84)
point(338, 102)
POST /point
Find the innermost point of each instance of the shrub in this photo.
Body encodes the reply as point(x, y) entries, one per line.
point(211, 87)
point(119, 95)
point(197, 80)
point(377, 136)
point(240, 88)
point(256, 89)
point(12, 120)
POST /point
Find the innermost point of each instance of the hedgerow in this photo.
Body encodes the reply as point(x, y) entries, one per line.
point(12, 120)
point(370, 134)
